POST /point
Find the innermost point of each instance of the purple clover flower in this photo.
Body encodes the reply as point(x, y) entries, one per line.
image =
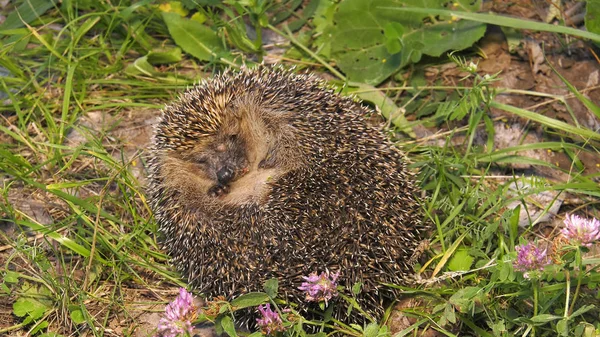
point(178, 317)
point(581, 230)
point(530, 258)
point(270, 321)
point(320, 288)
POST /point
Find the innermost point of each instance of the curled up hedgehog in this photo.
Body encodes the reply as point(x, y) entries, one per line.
point(262, 173)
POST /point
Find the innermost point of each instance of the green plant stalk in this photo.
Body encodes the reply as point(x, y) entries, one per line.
point(568, 292)
point(550, 122)
point(14, 327)
point(351, 301)
point(579, 277)
point(348, 332)
point(295, 42)
point(536, 291)
point(500, 21)
point(572, 307)
point(259, 40)
point(595, 109)
point(499, 90)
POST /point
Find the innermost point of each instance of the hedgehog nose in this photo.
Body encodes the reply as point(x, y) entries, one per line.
point(225, 174)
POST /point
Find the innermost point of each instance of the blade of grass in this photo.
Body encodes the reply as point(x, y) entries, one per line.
point(63, 240)
point(547, 121)
point(595, 109)
point(499, 20)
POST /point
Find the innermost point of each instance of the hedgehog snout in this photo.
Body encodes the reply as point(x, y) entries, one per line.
point(225, 175)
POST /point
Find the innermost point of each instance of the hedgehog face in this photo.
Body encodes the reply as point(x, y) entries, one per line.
point(235, 164)
point(222, 160)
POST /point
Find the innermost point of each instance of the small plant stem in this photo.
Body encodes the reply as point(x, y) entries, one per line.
point(499, 91)
point(579, 277)
point(258, 41)
point(14, 327)
point(535, 297)
point(536, 288)
point(351, 300)
point(295, 42)
point(348, 332)
point(568, 293)
point(226, 61)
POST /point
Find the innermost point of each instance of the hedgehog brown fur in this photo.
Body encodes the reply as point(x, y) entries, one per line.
point(262, 173)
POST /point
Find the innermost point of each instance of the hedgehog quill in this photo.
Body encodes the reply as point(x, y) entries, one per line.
point(263, 173)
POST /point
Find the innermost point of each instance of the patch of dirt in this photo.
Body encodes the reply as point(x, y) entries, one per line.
point(399, 321)
point(528, 69)
point(126, 136)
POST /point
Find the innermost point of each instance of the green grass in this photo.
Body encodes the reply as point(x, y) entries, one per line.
point(97, 261)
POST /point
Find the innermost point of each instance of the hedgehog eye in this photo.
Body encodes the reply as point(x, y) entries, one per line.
point(201, 160)
point(233, 138)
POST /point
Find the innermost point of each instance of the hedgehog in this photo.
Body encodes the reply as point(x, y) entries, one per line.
point(264, 173)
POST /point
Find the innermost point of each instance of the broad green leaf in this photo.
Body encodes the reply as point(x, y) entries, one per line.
point(193, 37)
point(562, 327)
point(371, 330)
point(449, 313)
point(505, 271)
point(446, 36)
point(223, 309)
point(77, 316)
point(544, 318)
point(464, 299)
point(21, 307)
point(29, 306)
point(356, 288)
point(218, 325)
point(367, 49)
point(39, 326)
point(11, 277)
point(164, 56)
point(38, 310)
point(327, 315)
point(592, 17)
point(461, 260)
point(228, 326)
point(25, 13)
point(272, 287)
point(249, 300)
